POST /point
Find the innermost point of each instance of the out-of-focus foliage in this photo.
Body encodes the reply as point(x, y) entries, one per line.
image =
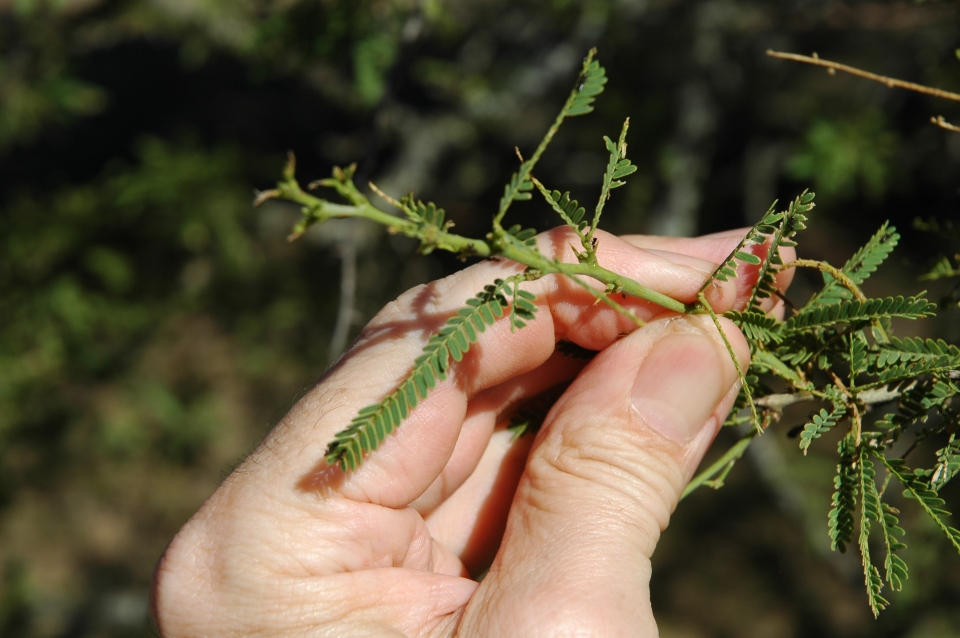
point(153, 325)
point(844, 156)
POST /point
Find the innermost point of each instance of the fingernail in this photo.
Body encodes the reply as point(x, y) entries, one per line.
point(680, 384)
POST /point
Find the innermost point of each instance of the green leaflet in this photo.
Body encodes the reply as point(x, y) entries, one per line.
point(793, 221)
point(779, 228)
point(429, 220)
point(895, 569)
point(917, 489)
point(914, 406)
point(757, 326)
point(870, 511)
point(948, 463)
point(756, 235)
point(590, 84)
point(855, 311)
point(526, 236)
point(767, 362)
point(373, 423)
point(856, 354)
point(915, 366)
point(860, 266)
point(819, 424)
point(570, 210)
point(618, 166)
point(840, 519)
point(518, 188)
point(936, 353)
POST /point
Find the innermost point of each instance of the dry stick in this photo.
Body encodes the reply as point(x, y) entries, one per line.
point(890, 82)
point(778, 402)
point(833, 67)
point(942, 123)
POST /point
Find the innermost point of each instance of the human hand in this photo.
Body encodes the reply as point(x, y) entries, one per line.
point(570, 518)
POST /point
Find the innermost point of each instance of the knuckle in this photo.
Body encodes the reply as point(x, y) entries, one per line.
point(631, 478)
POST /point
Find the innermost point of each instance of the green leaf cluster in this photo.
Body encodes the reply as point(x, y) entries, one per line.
point(838, 349)
point(860, 266)
point(373, 423)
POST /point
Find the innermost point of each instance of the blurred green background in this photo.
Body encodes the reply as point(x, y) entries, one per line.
point(153, 325)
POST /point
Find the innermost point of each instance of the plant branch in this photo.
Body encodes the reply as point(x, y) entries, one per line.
point(318, 210)
point(526, 167)
point(942, 123)
point(744, 386)
point(889, 82)
point(845, 281)
point(502, 244)
point(507, 246)
point(721, 465)
point(868, 397)
point(602, 296)
point(834, 272)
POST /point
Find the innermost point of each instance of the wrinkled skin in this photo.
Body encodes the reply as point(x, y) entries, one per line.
point(566, 521)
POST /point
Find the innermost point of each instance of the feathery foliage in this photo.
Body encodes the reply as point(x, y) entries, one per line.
point(373, 423)
point(860, 266)
point(854, 311)
point(590, 84)
point(841, 515)
point(948, 463)
point(768, 225)
point(871, 511)
point(819, 424)
point(756, 326)
point(837, 350)
point(894, 566)
point(918, 489)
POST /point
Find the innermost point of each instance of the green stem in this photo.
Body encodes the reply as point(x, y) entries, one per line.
point(836, 273)
point(844, 281)
point(736, 363)
point(319, 210)
point(508, 247)
point(500, 243)
point(523, 174)
point(730, 457)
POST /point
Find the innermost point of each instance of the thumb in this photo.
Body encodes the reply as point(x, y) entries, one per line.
point(604, 475)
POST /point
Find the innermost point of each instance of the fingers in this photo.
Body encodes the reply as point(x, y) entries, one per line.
point(714, 249)
point(413, 457)
point(601, 482)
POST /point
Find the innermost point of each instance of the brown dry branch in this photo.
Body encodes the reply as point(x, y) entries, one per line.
point(833, 67)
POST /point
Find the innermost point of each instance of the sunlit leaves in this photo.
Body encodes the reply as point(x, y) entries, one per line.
point(590, 84)
point(860, 266)
point(373, 423)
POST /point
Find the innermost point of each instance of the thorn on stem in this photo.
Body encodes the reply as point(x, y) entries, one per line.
point(291, 167)
point(261, 196)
